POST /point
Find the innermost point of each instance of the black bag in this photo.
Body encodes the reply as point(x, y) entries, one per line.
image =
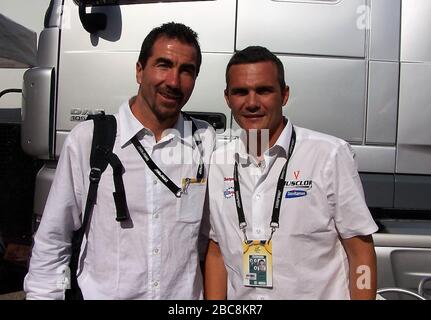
point(105, 129)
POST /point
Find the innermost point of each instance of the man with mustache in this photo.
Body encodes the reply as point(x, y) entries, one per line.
point(297, 202)
point(164, 176)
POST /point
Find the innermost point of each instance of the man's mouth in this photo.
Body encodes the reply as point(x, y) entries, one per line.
point(253, 116)
point(170, 95)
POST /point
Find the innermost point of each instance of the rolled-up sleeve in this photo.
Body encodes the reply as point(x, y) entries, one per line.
point(62, 215)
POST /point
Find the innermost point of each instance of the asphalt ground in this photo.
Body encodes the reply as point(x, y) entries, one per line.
point(11, 280)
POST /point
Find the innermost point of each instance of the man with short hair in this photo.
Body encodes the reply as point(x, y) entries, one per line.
point(138, 258)
point(285, 195)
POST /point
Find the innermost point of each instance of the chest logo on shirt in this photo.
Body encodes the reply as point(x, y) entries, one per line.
point(290, 194)
point(228, 191)
point(299, 184)
point(298, 188)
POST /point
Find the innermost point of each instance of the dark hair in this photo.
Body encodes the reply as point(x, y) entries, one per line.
point(171, 30)
point(253, 54)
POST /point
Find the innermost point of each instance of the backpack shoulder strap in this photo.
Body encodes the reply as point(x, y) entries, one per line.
point(105, 130)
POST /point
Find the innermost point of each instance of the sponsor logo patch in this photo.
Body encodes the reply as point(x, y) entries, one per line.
point(299, 184)
point(229, 192)
point(291, 194)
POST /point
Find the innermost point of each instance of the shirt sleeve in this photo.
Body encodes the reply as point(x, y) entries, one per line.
point(211, 205)
point(62, 215)
point(346, 195)
point(212, 233)
point(204, 230)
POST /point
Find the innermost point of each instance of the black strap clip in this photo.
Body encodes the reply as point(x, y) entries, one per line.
point(95, 175)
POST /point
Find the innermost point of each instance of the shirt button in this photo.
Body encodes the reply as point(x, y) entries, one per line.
point(156, 284)
point(154, 181)
point(156, 216)
point(257, 196)
point(258, 231)
point(156, 251)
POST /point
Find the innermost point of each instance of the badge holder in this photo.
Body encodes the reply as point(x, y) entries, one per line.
point(257, 263)
point(192, 198)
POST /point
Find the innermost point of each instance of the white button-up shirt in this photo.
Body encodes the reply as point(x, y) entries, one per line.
point(322, 195)
point(152, 255)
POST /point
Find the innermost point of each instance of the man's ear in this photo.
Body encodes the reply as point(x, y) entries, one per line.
point(138, 72)
point(285, 94)
point(226, 97)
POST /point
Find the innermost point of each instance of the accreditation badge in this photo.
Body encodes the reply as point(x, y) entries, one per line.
point(192, 199)
point(257, 263)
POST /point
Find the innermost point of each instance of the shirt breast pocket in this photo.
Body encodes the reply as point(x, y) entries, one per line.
point(191, 203)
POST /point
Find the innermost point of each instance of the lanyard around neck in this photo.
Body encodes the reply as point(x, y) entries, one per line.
point(177, 191)
point(278, 194)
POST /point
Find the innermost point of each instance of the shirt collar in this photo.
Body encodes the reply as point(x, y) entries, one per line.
point(282, 143)
point(182, 130)
point(283, 140)
point(129, 126)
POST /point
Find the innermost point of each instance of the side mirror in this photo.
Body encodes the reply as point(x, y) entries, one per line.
point(92, 22)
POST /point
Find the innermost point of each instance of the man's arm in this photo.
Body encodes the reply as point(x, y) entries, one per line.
point(52, 244)
point(362, 267)
point(215, 273)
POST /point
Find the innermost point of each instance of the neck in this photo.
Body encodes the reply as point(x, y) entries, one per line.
point(149, 119)
point(258, 141)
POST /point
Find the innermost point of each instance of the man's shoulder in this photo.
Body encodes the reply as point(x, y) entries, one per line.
point(80, 138)
point(81, 132)
point(228, 147)
point(316, 138)
point(206, 131)
point(203, 126)
point(224, 153)
point(200, 124)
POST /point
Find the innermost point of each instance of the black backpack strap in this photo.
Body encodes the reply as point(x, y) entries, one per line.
point(119, 194)
point(105, 129)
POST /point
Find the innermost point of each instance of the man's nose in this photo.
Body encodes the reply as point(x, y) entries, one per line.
point(173, 78)
point(252, 101)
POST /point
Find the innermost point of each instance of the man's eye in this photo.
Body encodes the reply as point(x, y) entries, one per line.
point(188, 71)
point(263, 91)
point(239, 92)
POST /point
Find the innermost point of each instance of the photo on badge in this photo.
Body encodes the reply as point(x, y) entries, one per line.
point(257, 263)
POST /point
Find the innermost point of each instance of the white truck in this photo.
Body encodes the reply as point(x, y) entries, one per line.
point(357, 69)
